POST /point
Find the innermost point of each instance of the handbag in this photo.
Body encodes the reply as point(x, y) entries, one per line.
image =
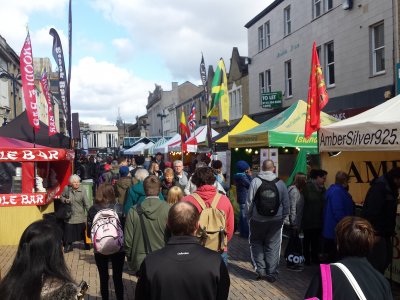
point(64, 211)
point(326, 280)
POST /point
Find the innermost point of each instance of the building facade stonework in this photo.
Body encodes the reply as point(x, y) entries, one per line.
point(355, 47)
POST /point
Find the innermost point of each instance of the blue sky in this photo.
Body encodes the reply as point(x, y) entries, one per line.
point(122, 48)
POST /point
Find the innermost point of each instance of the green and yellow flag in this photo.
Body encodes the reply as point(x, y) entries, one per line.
point(219, 93)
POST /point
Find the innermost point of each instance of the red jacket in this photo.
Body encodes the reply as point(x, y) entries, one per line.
point(207, 193)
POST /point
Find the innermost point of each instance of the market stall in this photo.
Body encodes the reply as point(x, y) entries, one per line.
point(163, 148)
point(30, 177)
point(365, 146)
point(197, 138)
point(284, 133)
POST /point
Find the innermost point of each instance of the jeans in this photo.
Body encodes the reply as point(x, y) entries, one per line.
point(243, 223)
point(117, 261)
point(224, 256)
point(265, 246)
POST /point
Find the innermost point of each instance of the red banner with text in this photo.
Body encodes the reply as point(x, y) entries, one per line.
point(28, 83)
point(44, 83)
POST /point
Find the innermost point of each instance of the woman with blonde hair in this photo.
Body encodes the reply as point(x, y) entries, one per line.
point(175, 194)
point(155, 169)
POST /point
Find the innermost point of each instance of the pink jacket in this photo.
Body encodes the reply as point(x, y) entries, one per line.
point(207, 193)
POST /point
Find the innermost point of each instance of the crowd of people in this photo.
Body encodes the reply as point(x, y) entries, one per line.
point(176, 224)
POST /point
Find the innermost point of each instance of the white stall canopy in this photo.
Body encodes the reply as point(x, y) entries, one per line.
point(377, 129)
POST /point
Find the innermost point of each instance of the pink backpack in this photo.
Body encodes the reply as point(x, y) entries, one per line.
point(107, 234)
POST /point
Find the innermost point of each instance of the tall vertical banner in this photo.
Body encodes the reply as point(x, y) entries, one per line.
point(317, 95)
point(28, 83)
point(62, 82)
point(69, 66)
point(219, 92)
point(44, 83)
point(203, 75)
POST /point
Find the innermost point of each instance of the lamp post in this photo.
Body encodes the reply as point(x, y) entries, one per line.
point(162, 116)
point(14, 79)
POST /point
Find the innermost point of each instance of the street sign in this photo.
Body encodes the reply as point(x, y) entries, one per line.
point(271, 100)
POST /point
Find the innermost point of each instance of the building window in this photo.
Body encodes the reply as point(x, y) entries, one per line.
point(378, 49)
point(287, 21)
point(330, 64)
point(321, 6)
point(261, 80)
point(267, 35)
point(261, 40)
point(317, 8)
point(288, 79)
point(235, 96)
point(268, 81)
point(264, 36)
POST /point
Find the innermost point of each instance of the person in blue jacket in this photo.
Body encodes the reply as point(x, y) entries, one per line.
point(338, 204)
point(242, 181)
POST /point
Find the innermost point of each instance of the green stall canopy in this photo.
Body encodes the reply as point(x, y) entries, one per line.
point(286, 129)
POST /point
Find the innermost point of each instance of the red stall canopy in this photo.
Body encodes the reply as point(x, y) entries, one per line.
point(53, 165)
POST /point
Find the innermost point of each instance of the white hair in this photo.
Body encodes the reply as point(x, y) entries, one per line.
point(178, 161)
point(141, 174)
point(73, 178)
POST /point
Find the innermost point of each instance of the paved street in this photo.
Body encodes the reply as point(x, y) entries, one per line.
point(291, 285)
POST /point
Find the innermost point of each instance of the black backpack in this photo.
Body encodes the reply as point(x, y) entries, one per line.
point(267, 200)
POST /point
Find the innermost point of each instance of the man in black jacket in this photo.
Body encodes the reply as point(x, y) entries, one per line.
point(380, 207)
point(183, 269)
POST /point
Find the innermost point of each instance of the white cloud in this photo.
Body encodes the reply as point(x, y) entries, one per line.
point(14, 17)
point(124, 49)
point(179, 30)
point(98, 88)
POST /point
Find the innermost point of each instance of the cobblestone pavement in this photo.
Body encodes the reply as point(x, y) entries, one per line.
point(290, 285)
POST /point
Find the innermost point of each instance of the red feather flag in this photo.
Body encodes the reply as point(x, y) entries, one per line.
point(317, 96)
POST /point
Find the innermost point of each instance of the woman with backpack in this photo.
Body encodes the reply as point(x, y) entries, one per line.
point(204, 180)
point(104, 201)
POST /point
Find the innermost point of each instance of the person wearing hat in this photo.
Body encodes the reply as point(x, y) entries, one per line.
point(123, 184)
point(242, 181)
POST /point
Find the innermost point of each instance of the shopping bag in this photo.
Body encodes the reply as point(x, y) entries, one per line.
point(294, 251)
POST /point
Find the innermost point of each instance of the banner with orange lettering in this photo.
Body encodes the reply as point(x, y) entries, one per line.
point(28, 83)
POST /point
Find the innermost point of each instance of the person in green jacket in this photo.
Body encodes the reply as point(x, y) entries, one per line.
point(155, 215)
point(314, 199)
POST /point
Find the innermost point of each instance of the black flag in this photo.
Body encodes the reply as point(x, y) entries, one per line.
point(62, 83)
point(203, 75)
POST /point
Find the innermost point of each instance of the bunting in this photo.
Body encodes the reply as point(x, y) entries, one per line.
point(317, 95)
point(28, 83)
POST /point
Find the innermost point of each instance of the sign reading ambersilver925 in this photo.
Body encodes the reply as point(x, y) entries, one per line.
point(271, 100)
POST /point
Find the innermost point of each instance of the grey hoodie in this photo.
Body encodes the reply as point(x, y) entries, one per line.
point(283, 210)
